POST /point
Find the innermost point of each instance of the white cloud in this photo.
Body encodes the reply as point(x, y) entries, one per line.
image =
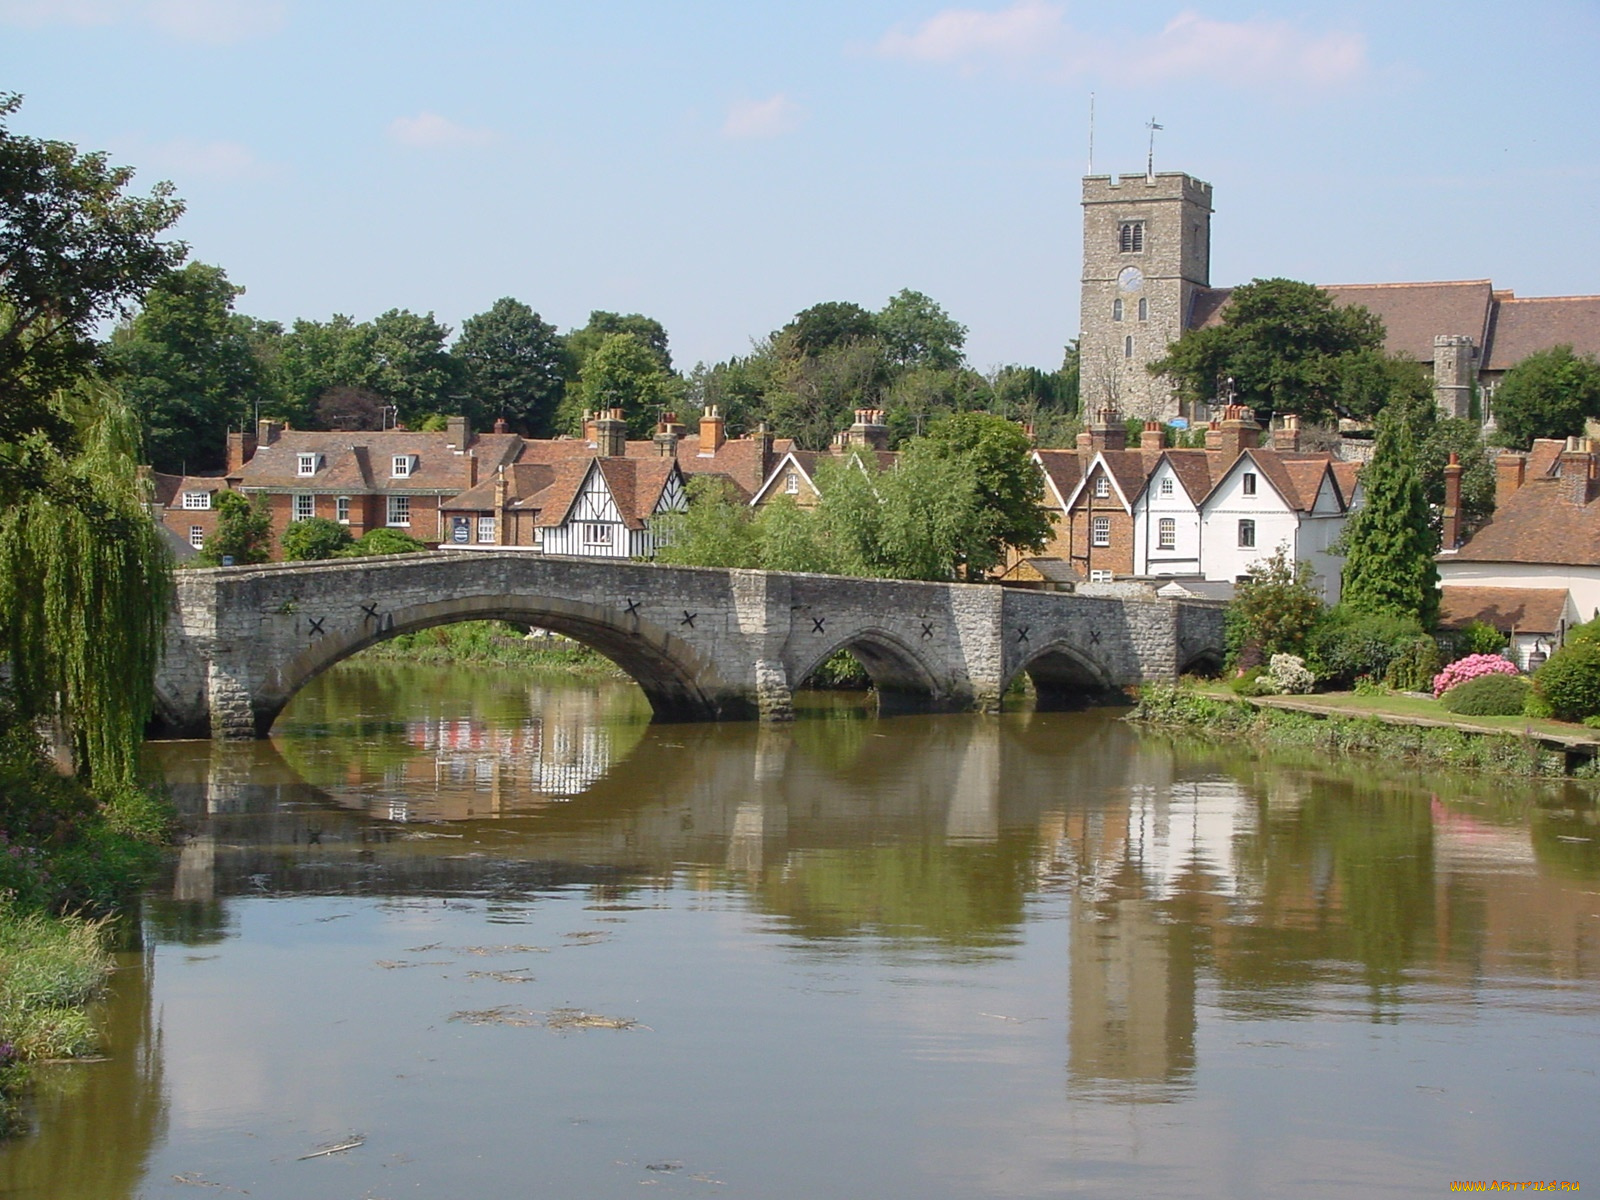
point(216, 22)
point(430, 131)
point(214, 160)
point(775, 115)
point(1034, 35)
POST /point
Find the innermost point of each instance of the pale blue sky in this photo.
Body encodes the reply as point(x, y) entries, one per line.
point(720, 165)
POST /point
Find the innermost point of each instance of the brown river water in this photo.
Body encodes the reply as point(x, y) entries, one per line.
point(466, 932)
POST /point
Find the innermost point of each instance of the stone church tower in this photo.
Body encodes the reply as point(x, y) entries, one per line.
point(1146, 252)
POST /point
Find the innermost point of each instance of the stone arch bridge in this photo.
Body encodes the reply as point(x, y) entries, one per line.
point(703, 643)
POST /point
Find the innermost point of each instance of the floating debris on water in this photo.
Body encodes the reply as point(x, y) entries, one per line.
point(350, 1143)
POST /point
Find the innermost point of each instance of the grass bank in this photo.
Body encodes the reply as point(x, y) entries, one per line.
point(1367, 729)
point(69, 858)
point(495, 643)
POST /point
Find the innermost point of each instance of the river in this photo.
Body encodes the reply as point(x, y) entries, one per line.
point(465, 932)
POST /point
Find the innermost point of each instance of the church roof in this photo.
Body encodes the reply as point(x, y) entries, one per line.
point(1524, 327)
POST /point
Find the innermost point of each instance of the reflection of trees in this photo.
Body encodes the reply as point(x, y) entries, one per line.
point(106, 1118)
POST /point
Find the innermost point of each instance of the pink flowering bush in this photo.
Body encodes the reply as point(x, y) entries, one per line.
point(1473, 666)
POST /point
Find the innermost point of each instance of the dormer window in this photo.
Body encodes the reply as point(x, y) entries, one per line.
point(306, 464)
point(197, 499)
point(403, 465)
point(1102, 487)
point(1248, 483)
point(1130, 237)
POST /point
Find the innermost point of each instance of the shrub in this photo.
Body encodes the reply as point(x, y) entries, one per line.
point(315, 538)
point(1474, 666)
point(1569, 682)
point(1488, 696)
point(1478, 637)
point(1589, 631)
point(1254, 681)
point(1289, 674)
point(1347, 645)
point(1273, 610)
point(1413, 668)
point(384, 541)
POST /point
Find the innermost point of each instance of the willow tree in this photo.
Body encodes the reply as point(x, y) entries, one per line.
point(85, 582)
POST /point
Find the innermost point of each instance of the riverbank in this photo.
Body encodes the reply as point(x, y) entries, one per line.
point(1394, 727)
point(498, 644)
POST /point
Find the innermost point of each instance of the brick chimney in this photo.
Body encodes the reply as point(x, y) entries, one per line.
point(1214, 435)
point(668, 431)
point(1450, 532)
point(764, 446)
point(1286, 436)
point(241, 449)
point(501, 488)
point(611, 434)
point(1577, 470)
point(1239, 431)
point(472, 470)
point(500, 425)
point(712, 431)
point(589, 434)
point(1510, 470)
point(267, 432)
point(459, 431)
point(869, 430)
point(1152, 436)
point(1108, 432)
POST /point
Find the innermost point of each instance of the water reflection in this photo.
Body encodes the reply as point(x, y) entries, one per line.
point(1070, 920)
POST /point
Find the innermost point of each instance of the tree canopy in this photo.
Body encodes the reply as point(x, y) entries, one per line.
point(1549, 394)
point(916, 332)
point(512, 362)
point(1284, 347)
point(1391, 541)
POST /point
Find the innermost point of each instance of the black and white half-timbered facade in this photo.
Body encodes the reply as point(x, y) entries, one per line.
point(611, 512)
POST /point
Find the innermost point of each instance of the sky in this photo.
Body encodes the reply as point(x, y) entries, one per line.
point(721, 165)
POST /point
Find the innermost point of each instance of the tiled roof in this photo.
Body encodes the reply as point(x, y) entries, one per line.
point(357, 462)
point(1346, 475)
point(1413, 314)
point(1536, 524)
point(1528, 610)
point(1523, 327)
point(635, 484)
point(1193, 469)
point(169, 489)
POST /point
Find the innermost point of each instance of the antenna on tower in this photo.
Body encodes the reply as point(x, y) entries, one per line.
point(1150, 159)
point(1091, 133)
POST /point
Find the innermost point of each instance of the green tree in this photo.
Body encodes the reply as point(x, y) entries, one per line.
point(1437, 437)
point(814, 396)
point(826, 326)
point(314, 357)
point(384, 541)
point(738, 386)
point(916, 332)
point(1273, 611)
point(75, 248)
point(996, 455)
point(1390, 540)
point(411, 367)
point(581, 343)
point(243, 533)
point(1284, 347)
point(188, 367)
point(624, 372)
point(84, 584)
point(717, 530)
point(1549, 394)
point(315, 538)
point(512, 363)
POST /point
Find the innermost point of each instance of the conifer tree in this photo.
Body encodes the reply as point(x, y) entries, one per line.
point(1390, 541)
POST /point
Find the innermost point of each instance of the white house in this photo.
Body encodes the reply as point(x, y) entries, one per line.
point(609, 513)
point(1166, 514)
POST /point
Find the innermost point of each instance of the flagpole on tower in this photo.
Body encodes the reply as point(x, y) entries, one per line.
point(1091, 133)
point(1150, 159)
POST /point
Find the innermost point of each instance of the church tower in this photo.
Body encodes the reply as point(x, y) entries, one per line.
point(1146, 252)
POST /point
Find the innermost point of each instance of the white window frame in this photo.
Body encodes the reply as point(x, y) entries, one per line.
point(485, 530)
point(305, 464)
point(791, 485)
point(399, 512)
point(197, 500)
point(1099, 576)
point(597, 533)
point(197, 536)
point(1100, 531)
point(1167, 533)
point(341, 510)
point(1247, 483)
point(1247, 534)
point(1166, 486)
point(305, 506)
point(1102, 487)
point(401, 466)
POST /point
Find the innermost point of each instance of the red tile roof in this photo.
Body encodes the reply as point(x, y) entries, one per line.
point(1523, 327)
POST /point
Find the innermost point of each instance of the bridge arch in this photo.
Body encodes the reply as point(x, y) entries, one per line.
point(1065, 677)
point(666, 668)
point(898, 673)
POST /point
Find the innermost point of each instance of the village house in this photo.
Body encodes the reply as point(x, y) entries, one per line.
point(1533, 570)
point(794, 475)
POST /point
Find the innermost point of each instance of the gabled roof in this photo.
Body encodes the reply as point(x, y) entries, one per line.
point(1192, 468)
point(168, 489)
point(1346, 477)
point(635, 484)
point(807, 462)
point(1063, 471)
point(1125, 469)
point(1295, 477)
point(1527, 610)
point(802, 461)
point(1524, 327)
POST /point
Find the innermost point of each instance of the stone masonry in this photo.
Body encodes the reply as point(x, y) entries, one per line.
point(703, 643)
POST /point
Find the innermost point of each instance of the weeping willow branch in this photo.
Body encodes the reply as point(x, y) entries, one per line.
point(85, 583)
